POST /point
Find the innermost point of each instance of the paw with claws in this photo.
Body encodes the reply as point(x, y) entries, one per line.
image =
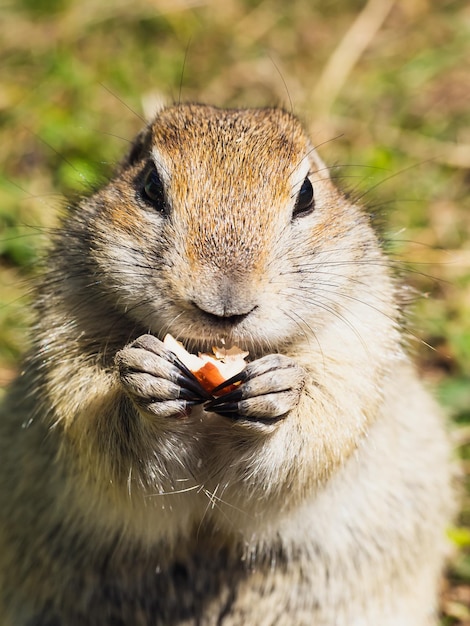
point(156, 380)
point(270, 387)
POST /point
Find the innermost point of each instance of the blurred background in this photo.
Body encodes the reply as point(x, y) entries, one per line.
point(383, 86)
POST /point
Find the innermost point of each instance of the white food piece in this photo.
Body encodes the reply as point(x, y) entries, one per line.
point(228, 361)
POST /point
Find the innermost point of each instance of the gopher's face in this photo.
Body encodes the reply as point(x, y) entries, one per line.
point(217, 227)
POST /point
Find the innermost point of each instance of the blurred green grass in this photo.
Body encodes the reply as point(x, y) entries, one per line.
point(383, 85)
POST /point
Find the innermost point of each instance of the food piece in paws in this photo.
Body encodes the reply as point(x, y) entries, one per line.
point(211, 370)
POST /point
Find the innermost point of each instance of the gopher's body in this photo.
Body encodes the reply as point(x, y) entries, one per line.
point(316, 494)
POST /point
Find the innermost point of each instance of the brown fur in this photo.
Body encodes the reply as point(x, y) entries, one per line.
point(322, 500)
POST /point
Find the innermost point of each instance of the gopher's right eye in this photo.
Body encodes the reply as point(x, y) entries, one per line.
point(153, 191)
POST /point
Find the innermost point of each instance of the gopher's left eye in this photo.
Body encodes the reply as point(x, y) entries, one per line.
point(305, 200)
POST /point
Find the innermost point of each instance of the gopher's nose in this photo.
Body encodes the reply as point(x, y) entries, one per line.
point(227, 302)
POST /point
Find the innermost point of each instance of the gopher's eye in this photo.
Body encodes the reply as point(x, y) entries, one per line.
point(305, 200)
point(153, 190)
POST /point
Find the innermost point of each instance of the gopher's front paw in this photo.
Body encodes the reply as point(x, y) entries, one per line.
point(270, 388)
point(156, 380)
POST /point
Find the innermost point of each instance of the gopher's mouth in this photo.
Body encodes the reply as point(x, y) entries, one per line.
point(200, 330)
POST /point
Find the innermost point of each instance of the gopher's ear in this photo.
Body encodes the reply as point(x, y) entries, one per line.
point(152, 103)
point(140, 149)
